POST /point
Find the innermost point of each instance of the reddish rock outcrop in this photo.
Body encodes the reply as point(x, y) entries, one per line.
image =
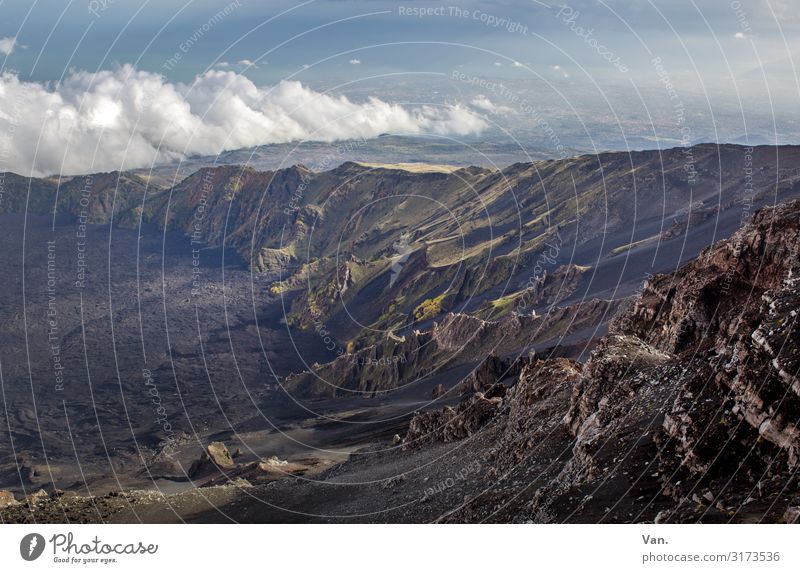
point(710, 353)
point(536, 406)
point(687, 411)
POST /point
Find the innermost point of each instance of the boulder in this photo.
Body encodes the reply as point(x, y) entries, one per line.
point(38, 496)
point(7, 499)
point(216, 457)
point(273, 462)
point(219, 454)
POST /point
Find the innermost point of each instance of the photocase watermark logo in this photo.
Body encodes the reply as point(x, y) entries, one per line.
point(67, 549)
point(402, 250)
point(31, 547)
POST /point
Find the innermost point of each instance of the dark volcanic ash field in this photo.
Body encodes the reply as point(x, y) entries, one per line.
point(97, 377)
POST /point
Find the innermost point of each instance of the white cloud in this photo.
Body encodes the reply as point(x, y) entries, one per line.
point(518, 64)
point(223, 65)
point(127, 118)
point(484, 103)
point(498, 64)
point(355, 62)
point(739, 35)
point(247, 63)
point(7, 45)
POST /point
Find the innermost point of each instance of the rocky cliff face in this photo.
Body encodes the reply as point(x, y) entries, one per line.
point(688, 410)
point(244, 209)
point(365, 372)
point(497, 348)
point(94, 199)
point(703, 300)
point(735, 309)
point(429, 243)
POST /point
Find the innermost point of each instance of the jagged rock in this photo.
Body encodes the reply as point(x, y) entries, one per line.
point(272, 462)
point(552, 287)
point(734, 305)
point(38, 496)
point(693, 395)
point(7, 499)
point(455, 331)
point(613, 363)
point(792, 515)
point(536, 406)
point(216, 457)
point(393, 482)
point(491, 371)
point(385, 365)
point(452, 424)
point(438, 391)
point(717, 338)
point(705, 297)
point(468, 335)
point(218, 453)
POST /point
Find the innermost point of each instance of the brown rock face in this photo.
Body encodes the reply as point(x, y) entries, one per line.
point(736, 306)
point(691, 403)
point(536, 406)
point(609, 369)
point(218, 453)
point(712, 352)
point(491, 371)
point(216, 457)
point(707, 297)
point(452, 424)
point(602, 399)
point(385, 365)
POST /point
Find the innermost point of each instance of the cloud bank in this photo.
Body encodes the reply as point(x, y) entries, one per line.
point(126, 118)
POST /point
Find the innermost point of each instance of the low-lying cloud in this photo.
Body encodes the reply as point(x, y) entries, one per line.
point(126, 118)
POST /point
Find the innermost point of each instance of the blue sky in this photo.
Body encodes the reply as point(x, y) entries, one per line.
point(57, 35)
